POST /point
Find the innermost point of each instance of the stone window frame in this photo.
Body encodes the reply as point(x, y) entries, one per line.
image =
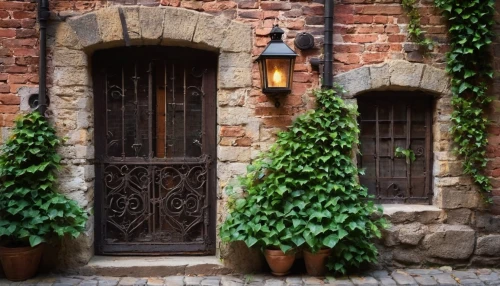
point(452, 190)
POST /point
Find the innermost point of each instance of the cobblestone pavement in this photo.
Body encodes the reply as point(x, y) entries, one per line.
point(407, 277)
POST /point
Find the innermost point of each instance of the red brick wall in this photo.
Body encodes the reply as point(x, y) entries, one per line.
point(18, 54)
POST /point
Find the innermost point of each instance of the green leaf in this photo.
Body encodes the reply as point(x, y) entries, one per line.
point(35, 240)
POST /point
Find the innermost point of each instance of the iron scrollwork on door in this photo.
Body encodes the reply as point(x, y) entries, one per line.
point(155, 178)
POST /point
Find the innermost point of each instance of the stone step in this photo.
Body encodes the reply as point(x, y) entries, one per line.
point(140, 266)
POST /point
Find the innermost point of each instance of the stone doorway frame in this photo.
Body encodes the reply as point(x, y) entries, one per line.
point(72, 42)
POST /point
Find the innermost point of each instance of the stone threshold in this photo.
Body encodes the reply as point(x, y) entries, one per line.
point(148, 266)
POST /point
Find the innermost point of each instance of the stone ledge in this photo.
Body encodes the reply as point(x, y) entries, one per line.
point(153, 266)
point(390, 209)
point(425, 214)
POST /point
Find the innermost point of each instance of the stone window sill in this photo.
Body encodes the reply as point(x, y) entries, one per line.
point(426, 214)
point(390, 209)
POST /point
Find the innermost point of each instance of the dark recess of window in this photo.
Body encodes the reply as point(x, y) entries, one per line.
point(389, 120)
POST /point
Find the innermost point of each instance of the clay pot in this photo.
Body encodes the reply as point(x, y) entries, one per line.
point(279, 262)
point(20, 263)
point(316, 262)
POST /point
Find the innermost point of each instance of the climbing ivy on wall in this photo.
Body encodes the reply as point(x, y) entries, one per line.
point(468, 63)
point(414, 29)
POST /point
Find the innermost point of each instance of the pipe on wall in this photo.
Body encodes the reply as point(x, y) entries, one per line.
point(328, 46)
point(43, 17)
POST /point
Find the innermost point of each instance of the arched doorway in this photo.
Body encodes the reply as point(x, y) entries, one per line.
point(155, 143)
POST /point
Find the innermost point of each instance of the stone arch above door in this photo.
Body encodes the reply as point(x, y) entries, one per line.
point(138, 25)
point(394, 75)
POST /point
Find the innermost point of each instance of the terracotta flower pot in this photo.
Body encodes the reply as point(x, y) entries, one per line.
point(279, 262)
point(316, 262)
point(20, 263)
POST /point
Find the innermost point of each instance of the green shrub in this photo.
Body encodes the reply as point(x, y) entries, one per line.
point(31, 211)
point(304, 192)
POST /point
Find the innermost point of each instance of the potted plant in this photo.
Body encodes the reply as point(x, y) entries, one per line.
point(258, 218)
point(310, 182)
point(31, 211)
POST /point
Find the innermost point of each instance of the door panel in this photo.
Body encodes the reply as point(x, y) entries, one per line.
point(155, 145)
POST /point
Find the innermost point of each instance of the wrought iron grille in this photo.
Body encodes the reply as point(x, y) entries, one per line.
point(388, 121)
point(155, 142)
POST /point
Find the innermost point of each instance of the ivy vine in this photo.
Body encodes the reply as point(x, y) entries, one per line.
point(468, 63)
point(414, 29)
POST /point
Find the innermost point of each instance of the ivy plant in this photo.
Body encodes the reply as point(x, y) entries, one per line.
point(468, 63)
point(408, 154)
point(31, 211)
point(304, 191)
point(414, 28)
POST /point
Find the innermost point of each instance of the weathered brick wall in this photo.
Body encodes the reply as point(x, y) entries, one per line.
point(18, 55)
point(369, 32)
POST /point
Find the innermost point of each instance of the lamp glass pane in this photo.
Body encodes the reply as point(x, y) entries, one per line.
point(278, 72)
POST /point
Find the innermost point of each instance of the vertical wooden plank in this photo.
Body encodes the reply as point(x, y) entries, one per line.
point(160, 112)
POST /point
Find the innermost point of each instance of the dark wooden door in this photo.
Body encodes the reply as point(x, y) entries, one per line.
point(155, 122)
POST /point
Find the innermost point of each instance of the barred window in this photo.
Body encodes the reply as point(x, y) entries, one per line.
point(396, 146)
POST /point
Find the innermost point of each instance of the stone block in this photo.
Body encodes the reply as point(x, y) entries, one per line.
point(24, 93)
point(380, 76)
point(405, 74)
point(237, 60)
point(238, 38)
point(132, 24)
point(485, 262)
point(233, 154)
point(454, 199)
point(205, 30)
point(487, 222)
point(86, 28)
point(71, 76)
point(230, 77)
point(407, 256)
point(434, 80)
point(411, 233)
point(425, 280)
point(110, 25)
point(234, 97)
point(151, 20)
point(458, 216)
point(450, 241)
point(64, 35)
point(403, 278)
point(226, 171)
point(390, 236)
point(488, 245)
point(354, 81)
point(387, 281)
point(179, 25)
point(363, 281)
point(445, 279)
point(69, 58)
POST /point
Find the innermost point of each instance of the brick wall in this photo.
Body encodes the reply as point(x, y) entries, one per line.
point(18, 55)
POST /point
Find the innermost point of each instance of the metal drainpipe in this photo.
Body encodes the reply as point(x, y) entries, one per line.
point(43, 17)
point(328, 46)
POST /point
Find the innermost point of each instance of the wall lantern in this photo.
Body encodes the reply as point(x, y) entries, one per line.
point(276, 65)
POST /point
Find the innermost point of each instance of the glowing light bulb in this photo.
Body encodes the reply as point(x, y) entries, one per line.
point(277, 78)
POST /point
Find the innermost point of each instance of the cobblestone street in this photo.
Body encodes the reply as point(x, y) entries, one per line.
point(410, 277)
